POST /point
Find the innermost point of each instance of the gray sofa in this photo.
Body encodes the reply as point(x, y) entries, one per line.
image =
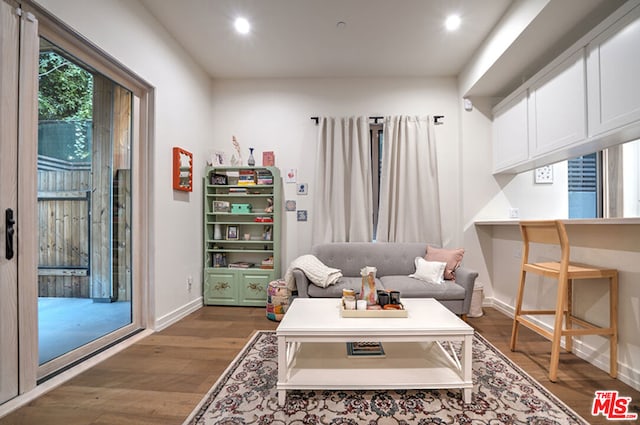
point(394, 261)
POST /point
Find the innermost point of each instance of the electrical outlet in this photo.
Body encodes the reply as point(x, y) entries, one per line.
point(189, 282)
point(514, 212)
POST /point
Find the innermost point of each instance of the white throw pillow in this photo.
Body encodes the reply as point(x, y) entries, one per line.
point(429, 271)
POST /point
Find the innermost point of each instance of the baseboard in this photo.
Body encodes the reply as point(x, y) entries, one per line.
point(626, 374)
point(177, 314)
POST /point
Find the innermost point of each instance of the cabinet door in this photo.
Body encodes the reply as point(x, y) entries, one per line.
point(557, 107)
point(220, 288)
point(510, 138)
point(253, 287)
point(613, 67)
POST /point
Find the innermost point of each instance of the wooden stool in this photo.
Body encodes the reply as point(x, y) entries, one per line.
point(554, 232)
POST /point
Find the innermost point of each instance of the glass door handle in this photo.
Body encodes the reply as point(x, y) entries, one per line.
point(9, 223)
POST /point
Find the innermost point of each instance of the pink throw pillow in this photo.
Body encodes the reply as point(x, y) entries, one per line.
point(453, 258)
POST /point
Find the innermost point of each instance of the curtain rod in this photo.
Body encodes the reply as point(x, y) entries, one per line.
point(436, 119)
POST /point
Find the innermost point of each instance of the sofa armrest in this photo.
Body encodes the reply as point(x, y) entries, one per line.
point(467, 279)
point(302, 283)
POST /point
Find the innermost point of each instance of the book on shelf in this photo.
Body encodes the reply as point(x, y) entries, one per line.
point(263, 219)
point(237, 190)
point(365, 349)
point(264, 177)
point(240, 265)
point(247, 178)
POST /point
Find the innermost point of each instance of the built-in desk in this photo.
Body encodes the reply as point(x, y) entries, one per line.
point(613, 243)
point(605, 233)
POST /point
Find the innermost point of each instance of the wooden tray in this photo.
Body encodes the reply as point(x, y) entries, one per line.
point(373, 313)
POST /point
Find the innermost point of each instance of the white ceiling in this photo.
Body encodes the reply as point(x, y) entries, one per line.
point(382, 38)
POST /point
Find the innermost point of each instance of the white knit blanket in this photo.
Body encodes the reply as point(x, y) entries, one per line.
point(317, 272)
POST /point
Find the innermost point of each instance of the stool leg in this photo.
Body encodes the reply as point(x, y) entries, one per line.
point(613, 323)
point(568, 339)
point(516, 314)
point(557, 327)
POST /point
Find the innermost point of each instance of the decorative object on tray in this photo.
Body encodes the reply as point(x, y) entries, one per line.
point(368, 289)
point(365, 349)
point(251, 161)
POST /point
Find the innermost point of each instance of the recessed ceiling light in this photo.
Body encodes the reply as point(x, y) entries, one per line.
point(242, 25)
point(452, 23)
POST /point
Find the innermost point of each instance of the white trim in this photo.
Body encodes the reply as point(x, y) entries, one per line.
point(177, 314)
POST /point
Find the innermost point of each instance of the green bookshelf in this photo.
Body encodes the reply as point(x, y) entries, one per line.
point(240, 233)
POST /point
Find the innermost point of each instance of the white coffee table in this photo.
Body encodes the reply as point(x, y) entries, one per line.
point(312, 354)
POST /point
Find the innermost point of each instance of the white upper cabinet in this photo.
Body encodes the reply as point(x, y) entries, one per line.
point(584, 101)
point(613, 68)
point(510, 138)
point(557, 107)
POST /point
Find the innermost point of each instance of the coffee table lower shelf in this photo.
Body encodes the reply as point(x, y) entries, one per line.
point(406, 365)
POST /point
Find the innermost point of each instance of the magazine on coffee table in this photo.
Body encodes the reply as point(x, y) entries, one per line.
point(365, 349)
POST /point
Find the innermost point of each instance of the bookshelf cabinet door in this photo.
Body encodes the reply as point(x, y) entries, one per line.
point(253, 286)
point(220, 288)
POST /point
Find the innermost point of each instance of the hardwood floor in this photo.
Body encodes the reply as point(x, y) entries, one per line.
point(163, 377)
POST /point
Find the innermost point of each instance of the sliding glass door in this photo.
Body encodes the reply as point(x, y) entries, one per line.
point(84, 204)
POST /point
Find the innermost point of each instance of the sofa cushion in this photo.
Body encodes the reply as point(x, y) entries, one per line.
point(414, 288)
point(335, 291)
point(388, 258)
point(453, 258)
point(429, 271)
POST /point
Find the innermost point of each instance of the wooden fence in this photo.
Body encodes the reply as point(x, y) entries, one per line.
point(66, 253)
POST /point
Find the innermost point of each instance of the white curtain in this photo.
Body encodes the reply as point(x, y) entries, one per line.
point(409, 208)
point(343, 204)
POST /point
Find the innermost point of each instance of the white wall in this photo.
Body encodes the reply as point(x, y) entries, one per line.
point(126, 31)
point(274, 114)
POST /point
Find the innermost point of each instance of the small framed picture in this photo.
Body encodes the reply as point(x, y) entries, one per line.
point(302, 215)
point(302, 188)
point(218, 158)
point(221, 206)
point(232, 233)
point(290, 175)
point(290, 205)
point(218, 179)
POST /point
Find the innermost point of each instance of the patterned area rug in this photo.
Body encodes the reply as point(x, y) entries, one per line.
point(502, 394)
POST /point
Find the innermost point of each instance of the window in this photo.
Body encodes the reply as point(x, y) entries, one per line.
point(605, 183)
point(585, 194)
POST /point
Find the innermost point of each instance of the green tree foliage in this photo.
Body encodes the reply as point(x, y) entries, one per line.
point(65, 91)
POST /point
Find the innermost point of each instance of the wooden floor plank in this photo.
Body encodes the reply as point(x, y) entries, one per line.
point(160, 379)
